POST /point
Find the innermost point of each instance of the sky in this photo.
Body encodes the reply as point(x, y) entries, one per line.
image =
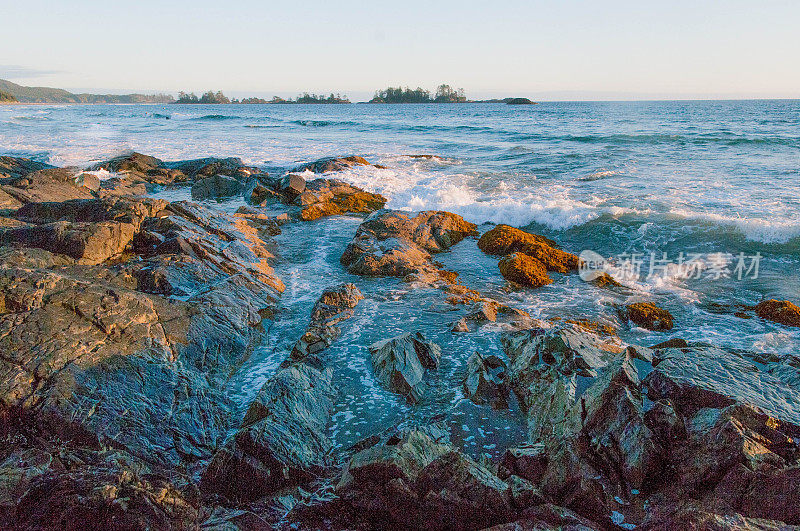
point(567, 49)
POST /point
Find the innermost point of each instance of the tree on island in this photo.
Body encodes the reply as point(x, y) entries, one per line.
point(313, 98)
point(5, 97)
point(447, 94)
point(444, 94)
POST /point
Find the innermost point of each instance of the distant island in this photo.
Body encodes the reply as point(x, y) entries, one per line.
point(13, 93)
point(218, 97)
point(52, 95)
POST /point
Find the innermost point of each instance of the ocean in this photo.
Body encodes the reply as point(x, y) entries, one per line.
point(653, 186)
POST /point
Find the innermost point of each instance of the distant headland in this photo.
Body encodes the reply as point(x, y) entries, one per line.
point(13, 93)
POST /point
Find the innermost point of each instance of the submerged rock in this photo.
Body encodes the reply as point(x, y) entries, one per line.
point(649, 316)
point(400, 363)
point(524, 270)
point(504, 240)
point(783, 312)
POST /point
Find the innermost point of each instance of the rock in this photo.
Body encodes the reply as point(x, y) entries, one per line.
point(648, 315)
point(707, 377)
point(130, 162)
point(331, 164)
point(292, 185)
point(88, 181)
point(527, 462)
point(52, 184)
point(547, 517)
point(524, 270)
point(694, 515)
point(411, 480)
point(17, 167)
point(329, 197)
point(283, 439)
point(485, 382)
point(400, 363)
point(782, 312)
point(211, 166)
point(606, 281)
point(675, 342)
point(503, 240)
point(390, 243)
point(216, 186)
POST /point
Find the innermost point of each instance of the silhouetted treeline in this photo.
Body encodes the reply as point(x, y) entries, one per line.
point(211, 97)
point(444, 94)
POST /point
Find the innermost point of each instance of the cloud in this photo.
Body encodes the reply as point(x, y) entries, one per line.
point(22, 72)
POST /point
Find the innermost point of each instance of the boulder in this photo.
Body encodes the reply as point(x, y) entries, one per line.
point(390, 243)
point(648, 315)
point(485, 382)
point(331, 164)
point(292, 185)
point(329, 197)
point(503, 240)
point(524, 270)
point(782, 312)
point(216, 186)
point(400, 363)
point(211, 166)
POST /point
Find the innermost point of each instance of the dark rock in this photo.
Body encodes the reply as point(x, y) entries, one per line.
point(649, 316)
point(400, 363)
point(130, 162)
point(675, 342)
point(485, 382)
point(211, 166)
point(527, 462)
point(292, 185)
point(216, 186)
point(17, 167)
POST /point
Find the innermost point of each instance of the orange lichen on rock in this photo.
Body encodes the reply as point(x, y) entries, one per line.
point(606, 281)
point(524, 270)
point(649, 316)
point(504, 239)
point(783, 312)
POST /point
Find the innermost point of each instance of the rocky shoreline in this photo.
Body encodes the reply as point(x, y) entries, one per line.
point(124, 317)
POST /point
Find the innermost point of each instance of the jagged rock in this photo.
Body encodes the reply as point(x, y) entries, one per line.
point(606, 281)
point(693, 515)
point(783, 312)
point(527, 462)
point(707, 377)
point(330, 164)
point(211, 166)
point(649, 316)
point(485, 382)
point(411, 480)
point(390, 243)
point(292, 185)
point(503, 240)
point(283, 440)
point(546, 517)
point(400, 363)
point(16, 167)
point(524, 270)
point(675, 342)
point(216, 186)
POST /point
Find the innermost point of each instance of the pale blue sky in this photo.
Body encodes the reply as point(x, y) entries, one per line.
point(569, 49)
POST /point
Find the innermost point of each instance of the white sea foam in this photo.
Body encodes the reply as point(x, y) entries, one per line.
point(756, 229)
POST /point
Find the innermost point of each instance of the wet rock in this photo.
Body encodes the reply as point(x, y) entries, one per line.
point(485, 382)
point(283, 439)
point(694, 515)
point(707, 377)
point(648, 315)
point(216, 186)
point(411, 480)
point(88, 181)
point(606, 281)
point(130, 162)
point(675, 342)
point(782, 312)
point(211, 166)
point(390, 243)
point(329, 197)
point(330, 164)
point(400, 363)
point(503, 240)
point(524, 270)
point(117, 187)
